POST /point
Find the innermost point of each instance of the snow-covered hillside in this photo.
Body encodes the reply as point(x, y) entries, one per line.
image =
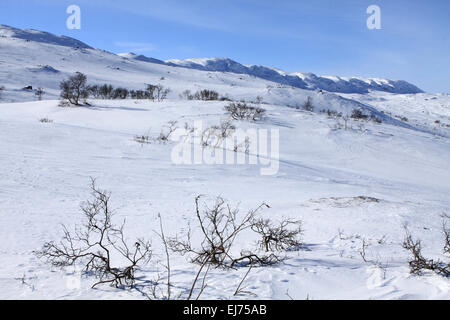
point(40, 36)
point(353, 183)
point(70, 51)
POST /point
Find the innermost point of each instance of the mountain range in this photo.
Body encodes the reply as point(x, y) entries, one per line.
point(303, 80)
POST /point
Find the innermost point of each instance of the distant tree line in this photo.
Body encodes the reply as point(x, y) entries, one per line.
point(205, 95)
point(75, 91)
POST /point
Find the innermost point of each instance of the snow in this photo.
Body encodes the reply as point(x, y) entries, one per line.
point(299, 79)
point(40, 36)
point(346, 185)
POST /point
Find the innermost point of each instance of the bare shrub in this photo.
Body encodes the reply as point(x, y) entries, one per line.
point(206, 95)
point(248, 258)
point(39, 93)
point(163, 136)
point(242, 111)
point(419, 262)
point(120, 93)
point(225, 128)
point(2, 88)
point(138, 94)
point(143, 139)
point(401, 118)
point(106, 91)
point(96, 242)
point(348, 123)
point(283, 236)
point(378, 120)
point(358, 114)
point(187, 95)
point(362, 251)
point(210, 138)
point(308, 106)
point(156, 92)
point(161, 92)
point(150, 92)
point(219, 226)
point(74, 90)
point(94, 91)
point(333, 113)
point(216, 134)
point(45, 120)
point(167, 131)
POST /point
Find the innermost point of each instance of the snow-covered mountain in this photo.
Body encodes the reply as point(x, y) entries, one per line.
point(140, 57)
point(40, 36)
point(300, 79)
point(307, 81)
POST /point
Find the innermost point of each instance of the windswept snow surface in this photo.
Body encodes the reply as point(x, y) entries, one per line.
point(46, 169)
point(363, 183)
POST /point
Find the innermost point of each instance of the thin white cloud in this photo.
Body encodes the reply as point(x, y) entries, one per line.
point(138, 47)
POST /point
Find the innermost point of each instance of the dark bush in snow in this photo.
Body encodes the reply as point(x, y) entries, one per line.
point(375, 119)
point(206, 95)
point(94, 91)
point(106, 91)
point(161, 92)
point(45, 120)
point(187, 95)
point(2, 88)
point(138, 94)
point(150, 92)
point(120, 93)
point(74, 90)
point(333, 113)
point(39, 93)
point(358, 114)
point(156, 92)
point(308, 106)
point(242, 111)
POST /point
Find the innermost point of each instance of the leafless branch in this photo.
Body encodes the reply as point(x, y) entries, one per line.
point(92, 244)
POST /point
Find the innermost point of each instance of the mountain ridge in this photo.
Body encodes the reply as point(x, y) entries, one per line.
point(303, 80)
point(41, 36)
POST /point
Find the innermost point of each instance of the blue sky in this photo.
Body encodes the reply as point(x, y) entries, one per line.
point(327, 37)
